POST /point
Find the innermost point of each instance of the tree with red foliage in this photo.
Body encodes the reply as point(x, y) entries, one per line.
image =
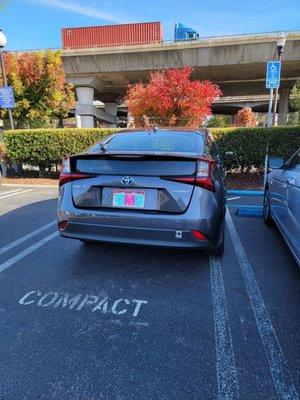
point(171, 98)
point(40, 88)
point(245, 117)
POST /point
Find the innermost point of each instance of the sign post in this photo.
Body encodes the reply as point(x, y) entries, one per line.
point(269, 118)
point(8, 93)
point(272, 82)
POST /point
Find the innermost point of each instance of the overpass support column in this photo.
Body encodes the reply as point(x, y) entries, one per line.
point(85, 97)
point(111, 108)
point(283, 107)
point(129, 119)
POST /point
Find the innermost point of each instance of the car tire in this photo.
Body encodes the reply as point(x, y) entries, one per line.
point(267, 209)
point(218, 251)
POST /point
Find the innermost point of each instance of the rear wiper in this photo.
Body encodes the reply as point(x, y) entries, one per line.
point(102, 147)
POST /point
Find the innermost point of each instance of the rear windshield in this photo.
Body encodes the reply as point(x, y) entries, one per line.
point(189, 142)
point(136, 167)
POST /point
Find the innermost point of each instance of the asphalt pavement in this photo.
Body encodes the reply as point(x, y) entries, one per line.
point(116, 322)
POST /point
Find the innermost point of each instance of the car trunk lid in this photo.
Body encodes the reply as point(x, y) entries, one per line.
point(141, 181)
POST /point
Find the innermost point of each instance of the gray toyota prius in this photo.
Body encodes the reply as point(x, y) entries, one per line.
point(160, 187)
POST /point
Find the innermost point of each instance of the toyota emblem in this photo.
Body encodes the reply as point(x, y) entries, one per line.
point(127, 180)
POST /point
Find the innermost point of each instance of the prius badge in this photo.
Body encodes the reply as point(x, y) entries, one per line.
point(127, 180)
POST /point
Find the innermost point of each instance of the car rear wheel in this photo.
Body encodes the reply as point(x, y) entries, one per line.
point(267, 208)
point(218, 251)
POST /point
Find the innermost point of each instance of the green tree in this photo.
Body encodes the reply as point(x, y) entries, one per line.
point(219, 121)
point(295, 102)
point(40, 88)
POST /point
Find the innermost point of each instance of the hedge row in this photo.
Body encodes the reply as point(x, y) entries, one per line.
point(45, 147)
point(250, 144)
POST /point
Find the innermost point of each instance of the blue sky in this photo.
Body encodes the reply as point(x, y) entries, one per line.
point(31, 24)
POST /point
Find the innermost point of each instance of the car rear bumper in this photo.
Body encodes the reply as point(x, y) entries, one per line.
point(142, 228)
point(133, 235)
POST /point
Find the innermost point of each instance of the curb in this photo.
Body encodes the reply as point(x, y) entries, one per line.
point(250, 211)
point(246, 192)
point(25, 185)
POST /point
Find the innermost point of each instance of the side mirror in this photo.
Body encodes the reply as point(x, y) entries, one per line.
point(276, 162)
point(229, 155)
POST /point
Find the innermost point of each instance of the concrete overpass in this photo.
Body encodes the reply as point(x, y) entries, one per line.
point(229, 105)
point(236, 63)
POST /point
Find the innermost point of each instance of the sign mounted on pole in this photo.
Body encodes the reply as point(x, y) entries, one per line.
point(273, 74)
point(7, 97)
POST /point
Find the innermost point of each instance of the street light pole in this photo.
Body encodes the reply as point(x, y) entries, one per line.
point(2, 44)
point(280, 46)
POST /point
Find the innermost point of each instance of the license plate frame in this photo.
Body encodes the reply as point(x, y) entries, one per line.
point(129, 198)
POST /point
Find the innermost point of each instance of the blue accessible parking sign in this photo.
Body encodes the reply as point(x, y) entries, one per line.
point(273, 74)
point(7, 97)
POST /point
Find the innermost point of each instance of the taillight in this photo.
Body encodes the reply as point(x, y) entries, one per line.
point(198, 235)
point(203, 168)
point(204, 173)
point(203, 176)
point(62, 225)
point(67, 176)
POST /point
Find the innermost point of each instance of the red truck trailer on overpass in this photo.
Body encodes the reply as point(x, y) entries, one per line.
point(112, 35)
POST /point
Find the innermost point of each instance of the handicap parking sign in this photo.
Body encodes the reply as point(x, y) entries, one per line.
point(7, 97)
point(273, 74)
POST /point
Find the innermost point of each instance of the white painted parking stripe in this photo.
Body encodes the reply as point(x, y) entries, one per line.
point(11, 191)
point(26, 237)
point(279, 370)
point(234, 198)
point(228, 388)
point(27, 251)
point(14, 194)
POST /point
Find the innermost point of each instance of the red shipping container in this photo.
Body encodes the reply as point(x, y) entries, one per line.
point(112, 35)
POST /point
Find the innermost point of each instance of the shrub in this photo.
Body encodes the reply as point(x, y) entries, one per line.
point(219, 121)
point(250, 144)
point(245, 117)
point(2, 150)
point(3, 154)
point(45, 147)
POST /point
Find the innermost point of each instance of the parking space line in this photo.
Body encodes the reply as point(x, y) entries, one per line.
point(226, 369)
point(279, 370)
point(11, 191)
point(14, 194)
point(26, 237)
point(27, 251)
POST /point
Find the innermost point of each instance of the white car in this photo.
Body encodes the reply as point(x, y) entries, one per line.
point(282, 199)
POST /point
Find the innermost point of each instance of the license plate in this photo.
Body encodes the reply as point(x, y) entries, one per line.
point(128, 198)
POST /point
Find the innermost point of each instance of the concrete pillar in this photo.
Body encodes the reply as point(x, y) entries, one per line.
point(111, 108)
point(85, 96)
point(78, 120)
point(283, 107)
point(129, 119)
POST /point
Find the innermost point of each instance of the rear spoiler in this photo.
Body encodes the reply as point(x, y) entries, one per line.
point(138, 154)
